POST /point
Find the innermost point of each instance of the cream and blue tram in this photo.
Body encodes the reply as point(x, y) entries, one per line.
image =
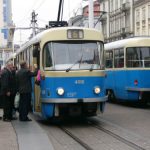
point(127, 65)
point(71, 61)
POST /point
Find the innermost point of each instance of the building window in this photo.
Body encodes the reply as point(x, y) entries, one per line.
point(116, 4)
point(149, 11)
point(137, 30)
point(122, 24)
point(143, 30)
point(111, 6)
point(103, 6)
point(149, 29)
point(4, 14)
point(137, 15)
point(5, 32)
point(143, 13)
point(1, 55)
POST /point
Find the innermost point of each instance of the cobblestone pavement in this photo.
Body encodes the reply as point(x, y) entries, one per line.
point(8, 138)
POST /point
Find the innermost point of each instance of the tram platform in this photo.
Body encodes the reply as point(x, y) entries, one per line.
point(18, 135)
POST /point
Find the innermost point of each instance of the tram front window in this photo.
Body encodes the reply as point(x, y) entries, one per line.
point(77, 55)
point(138, 57)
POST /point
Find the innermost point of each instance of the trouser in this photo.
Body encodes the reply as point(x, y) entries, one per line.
point(24, 105)
point(7, 107)
point(1, 101)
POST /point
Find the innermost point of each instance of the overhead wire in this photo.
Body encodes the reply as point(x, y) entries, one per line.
point(29, 10)
point(40, 5)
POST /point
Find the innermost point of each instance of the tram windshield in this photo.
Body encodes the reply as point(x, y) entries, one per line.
point(138, 57)
point(73, 55)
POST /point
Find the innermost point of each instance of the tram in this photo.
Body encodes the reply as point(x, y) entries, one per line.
point(127, 65)
point(71, 60)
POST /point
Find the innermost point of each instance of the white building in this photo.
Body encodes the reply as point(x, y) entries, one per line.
point(119, 21)
point(142, 17)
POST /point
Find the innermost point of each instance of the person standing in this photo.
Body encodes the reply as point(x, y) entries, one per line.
point(6, 88)
point(24, 87)
point(13, 70)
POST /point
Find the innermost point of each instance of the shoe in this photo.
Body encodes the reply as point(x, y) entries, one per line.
point(14, 118)
point(6, 120)
point(28, 119)
point(25, 119)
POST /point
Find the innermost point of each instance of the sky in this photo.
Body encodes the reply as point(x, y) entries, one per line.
point(47, 11)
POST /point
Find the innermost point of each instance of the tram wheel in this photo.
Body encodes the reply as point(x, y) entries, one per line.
point(144, 101)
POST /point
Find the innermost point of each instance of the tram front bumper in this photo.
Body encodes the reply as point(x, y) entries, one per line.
point(74, 100)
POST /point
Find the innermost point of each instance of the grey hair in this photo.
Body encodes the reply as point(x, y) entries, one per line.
point(9, 63)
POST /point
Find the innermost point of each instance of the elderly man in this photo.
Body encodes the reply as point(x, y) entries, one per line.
point(6, 89)
point(24, 86)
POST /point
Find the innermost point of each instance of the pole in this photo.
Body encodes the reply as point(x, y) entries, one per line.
point(13, 52)
point(59, 10)
point(33, 22)
point(91, 17)
point(3, 58)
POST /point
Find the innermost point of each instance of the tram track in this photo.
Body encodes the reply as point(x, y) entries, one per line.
point(75, 132)
point(74, 137)
point(106, 131)
point(116, 136)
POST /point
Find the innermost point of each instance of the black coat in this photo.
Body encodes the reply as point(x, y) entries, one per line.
point(14, 88)
point(6, 81)
point(0, 85)
point(23, 80)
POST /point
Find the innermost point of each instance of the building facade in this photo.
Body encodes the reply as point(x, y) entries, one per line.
point(6, 30)
point(82, 19)
point(142, 17)
point(119, 21)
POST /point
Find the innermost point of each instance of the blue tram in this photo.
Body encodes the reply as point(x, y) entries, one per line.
point(71, 61)
point(127, 64)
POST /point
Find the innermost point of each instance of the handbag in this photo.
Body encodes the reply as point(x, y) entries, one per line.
point(16, 100)
point(38, 78)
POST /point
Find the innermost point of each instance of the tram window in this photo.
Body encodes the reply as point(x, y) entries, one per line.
point(84, 55)
point(28, 56)
point(109, 59)
point(119, 58)
point(47, 56)
point(138, 57)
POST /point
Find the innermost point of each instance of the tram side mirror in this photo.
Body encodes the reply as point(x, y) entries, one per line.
point(35, 52)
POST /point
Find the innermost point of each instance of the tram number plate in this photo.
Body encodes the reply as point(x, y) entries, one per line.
point(79, 82)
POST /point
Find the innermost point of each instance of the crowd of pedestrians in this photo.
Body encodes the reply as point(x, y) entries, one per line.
point(14, 81)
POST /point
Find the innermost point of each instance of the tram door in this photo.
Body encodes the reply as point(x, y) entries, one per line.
point(36, 60)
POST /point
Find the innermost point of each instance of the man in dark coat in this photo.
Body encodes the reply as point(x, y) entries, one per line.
point(6, 88)
point(23, 78)
point(14, 90)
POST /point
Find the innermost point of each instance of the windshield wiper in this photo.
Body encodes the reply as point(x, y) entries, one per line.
point(67, 70)
point(79, 61)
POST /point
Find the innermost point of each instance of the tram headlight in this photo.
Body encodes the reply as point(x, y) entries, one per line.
point(97, 90)
point(60, 91)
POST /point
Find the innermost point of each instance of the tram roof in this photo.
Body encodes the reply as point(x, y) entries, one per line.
point(40, 35)
point(130, 42)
